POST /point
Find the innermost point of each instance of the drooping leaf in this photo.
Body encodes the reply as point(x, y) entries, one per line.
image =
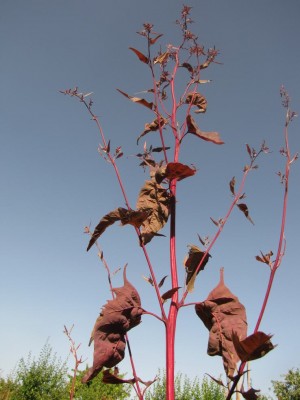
point(162, 58)
point(188, 67)
point(197, 100)
point(213, 137)
point(243, 207)
point(162, 281)
point(113, 379)
point(252, 347)
point(153, 126)
point(218, 381)
point(191, 263)
point(169, 294)
point(222, 313)
point(143, 102)
point(116, 318)
point(132, 217)
point(140, 55)
point(232, 185)
point(155, 199)
point(250, 394)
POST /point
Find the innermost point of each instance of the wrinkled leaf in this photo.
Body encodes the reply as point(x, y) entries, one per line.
point(213, 137)
point(243, 207)
point(252, 347)
point(176, 170)
point(191, 263)
point(116, 318)
point(140, 55)
point(222, 313)
point(143, 102)
point(197, 100)
point(169, 293)
point(155, 199)
point(132, 217)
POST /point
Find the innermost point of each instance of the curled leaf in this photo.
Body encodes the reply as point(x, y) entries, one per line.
point(222, 313)
point(191, 262)
point(140, 55)
point(252, 347)
point(143, 102)
point(213, 137)
point(135, 218)
point(116, 318)
point(250, 394)
point(197, 100)
point(153, 126)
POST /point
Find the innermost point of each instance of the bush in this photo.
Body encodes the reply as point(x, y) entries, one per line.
point(289, 388)
point(185, 389)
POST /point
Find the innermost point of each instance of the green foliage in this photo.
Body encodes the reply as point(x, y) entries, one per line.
point(97, 390)
point(185, 389)
point(7, 388)
point(41, 379)
point(289, 388)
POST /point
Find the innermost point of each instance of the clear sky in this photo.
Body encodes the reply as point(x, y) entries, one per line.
point(53, 181)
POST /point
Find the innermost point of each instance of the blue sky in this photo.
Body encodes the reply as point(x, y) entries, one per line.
point(53, 181)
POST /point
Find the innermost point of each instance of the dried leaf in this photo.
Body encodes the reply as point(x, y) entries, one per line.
point(243, 207)
point(222, 313)
point(191, 262)
point(232, 185)
point(208, 136)
point(252, 347)
point(265, 258)
point(116, 318)
point(197, 100)
point(162, 58)
point(153, 126)
point(135, 218)
point(110, 378)
point(162, 281)
point(140, 55)
point(155, 199)
point(169, 293)
point(143, 102)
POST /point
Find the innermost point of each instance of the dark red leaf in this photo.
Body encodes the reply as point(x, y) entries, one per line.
point(252, 347)
point(176, 170)
point(116, 318)
point(243, 207)
point(153, 40)
point(222, 313)
point(110, 378)
point(140, 55)
point(162, 281)
point(169, 293)
point(250, 394)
